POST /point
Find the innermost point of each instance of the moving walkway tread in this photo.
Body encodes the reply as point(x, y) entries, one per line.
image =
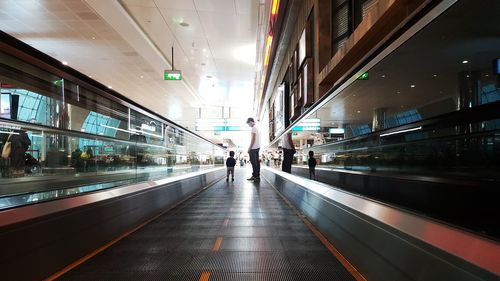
point(231, 231)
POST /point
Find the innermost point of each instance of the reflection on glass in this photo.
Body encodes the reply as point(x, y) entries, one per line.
point(412, 113)
point(64, 139)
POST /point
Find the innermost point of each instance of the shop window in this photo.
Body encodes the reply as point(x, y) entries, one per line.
point(346, 16)
point(341, 23)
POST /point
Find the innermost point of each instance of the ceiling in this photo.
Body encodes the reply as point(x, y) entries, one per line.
point(127, 45)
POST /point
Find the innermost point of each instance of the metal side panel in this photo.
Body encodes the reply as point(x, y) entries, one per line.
point(437, 197)
point(45, 242)
point(385, 243)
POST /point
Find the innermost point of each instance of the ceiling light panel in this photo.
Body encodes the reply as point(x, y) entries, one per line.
point(215, 6)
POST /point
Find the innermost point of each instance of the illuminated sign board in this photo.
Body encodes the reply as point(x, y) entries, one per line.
point(108, 149)
point(313, 124)
point(148, 127)
point(221, 124)
point(172, 75)
point(364, 76)
point(306, 128)
point(336, 130)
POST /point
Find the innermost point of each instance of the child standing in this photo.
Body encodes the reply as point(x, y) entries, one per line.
point(312, 165)
point(230, 163)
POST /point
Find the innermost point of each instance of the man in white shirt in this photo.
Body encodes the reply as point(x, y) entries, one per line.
point(288, 152)
point(253, 150)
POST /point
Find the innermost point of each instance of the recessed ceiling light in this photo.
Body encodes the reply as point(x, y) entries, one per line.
point(110, 87)
point(486, 75)
point(90, 76)
point(359, 111)
point(184, 24)
point(465, 61)
point(413, 85)
point(398, 92)
point(142, 76)
point(93, 38)
point(204, 49)
point(435, 75)
point(383, 75)
point(65, 62)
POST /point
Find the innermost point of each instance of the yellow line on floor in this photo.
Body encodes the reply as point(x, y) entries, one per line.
point(109, 244)
point(347, 265)
point(217, 244)
point(205, 276)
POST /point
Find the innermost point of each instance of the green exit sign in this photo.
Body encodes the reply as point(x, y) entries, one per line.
point(364, 76)
point(172, 75)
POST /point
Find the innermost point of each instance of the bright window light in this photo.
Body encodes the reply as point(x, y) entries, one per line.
point(245, 53)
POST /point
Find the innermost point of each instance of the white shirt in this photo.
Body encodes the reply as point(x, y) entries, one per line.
point(256, 143)
point(286, 143)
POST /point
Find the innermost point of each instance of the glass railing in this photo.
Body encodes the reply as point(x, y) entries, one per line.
point(432, 112)
point(451, 147)
point(421, 126)
point(61, 137)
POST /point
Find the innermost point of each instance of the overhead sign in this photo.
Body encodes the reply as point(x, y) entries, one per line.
point(172, 75)
point(221, 124)
point(311, 124)
point(336, 130)
point(148, 127)
point(306, 128)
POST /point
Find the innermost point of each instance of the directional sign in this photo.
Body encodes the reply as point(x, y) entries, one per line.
point(172, 75)
point(364, 76)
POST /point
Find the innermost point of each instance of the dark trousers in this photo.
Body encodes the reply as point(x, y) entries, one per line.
point(254, 159)
point(287, 160)
point(312, 173)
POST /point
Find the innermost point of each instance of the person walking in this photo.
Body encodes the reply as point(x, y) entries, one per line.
point(288, 152)
point(253, 150)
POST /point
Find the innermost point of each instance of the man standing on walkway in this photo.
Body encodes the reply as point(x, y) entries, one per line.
point(253, 150)
point(288, 152)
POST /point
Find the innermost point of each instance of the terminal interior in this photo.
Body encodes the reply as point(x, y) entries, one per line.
point(117, 119)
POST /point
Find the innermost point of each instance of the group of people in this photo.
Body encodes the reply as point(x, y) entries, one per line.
point(253, 152)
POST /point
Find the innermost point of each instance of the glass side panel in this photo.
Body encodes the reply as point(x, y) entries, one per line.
point(421, 129)
point(65, 139)
point(455, 73)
